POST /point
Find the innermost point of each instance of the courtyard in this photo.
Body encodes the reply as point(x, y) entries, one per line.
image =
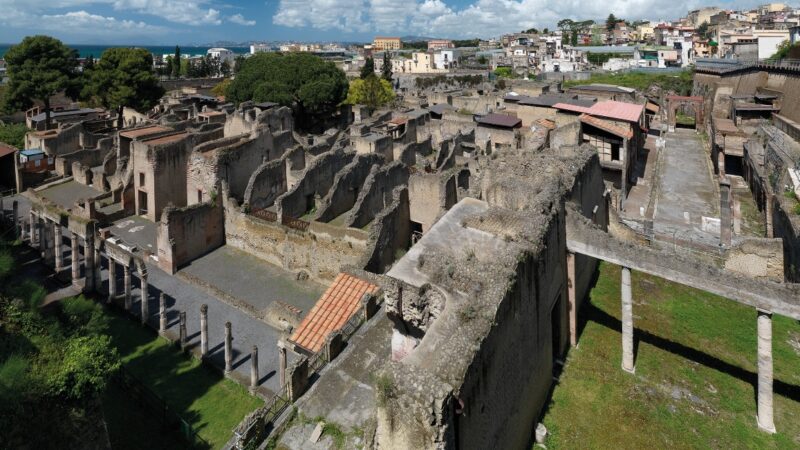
point(694, 380)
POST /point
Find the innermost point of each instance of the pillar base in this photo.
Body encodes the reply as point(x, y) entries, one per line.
point(631, 371)
point(770, 430)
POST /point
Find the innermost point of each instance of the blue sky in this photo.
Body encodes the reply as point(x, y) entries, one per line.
point(170, 22)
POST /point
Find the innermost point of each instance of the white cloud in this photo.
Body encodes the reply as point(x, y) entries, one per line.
point(78, 24)
point(239, 19)
point(181, 11)
point(482, 18)
point(189, 12)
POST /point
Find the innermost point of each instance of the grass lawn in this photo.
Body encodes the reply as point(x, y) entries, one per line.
point(694, 380)
point(212, 404)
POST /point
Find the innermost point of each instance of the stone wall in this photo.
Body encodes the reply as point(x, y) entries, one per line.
point(346, 187)
point(185, 234)
point(266, 184)
point(164, 169)
point(430, 195)
point(321, 251)
point(376, 193)
point(390, 234)
point(757, 258)
point(87, 157)
point(786, 225)
point(315, 183)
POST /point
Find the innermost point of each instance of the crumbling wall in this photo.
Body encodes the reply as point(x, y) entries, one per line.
point(266, 184)
point(757, 258)
point(376, 193)
point(430, 195)
point(346, 187)
point(390, 234)
point(88, 157)
point(185, 234)
point(315, 183)
point(81, 174)
point(321, 251)
point(566, 135)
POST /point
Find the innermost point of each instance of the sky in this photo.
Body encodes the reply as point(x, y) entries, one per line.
point(185, 22)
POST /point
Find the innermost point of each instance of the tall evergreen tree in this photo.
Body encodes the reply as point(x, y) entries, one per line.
point(123, 77)
point(386, 72)
point(39, 67)
point(176, 68)
point(369, 68)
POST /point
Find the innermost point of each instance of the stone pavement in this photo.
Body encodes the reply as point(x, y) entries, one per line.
point(686, 192)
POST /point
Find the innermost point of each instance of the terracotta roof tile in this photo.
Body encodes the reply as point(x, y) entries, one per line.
point(617, 130)
point(337, 305)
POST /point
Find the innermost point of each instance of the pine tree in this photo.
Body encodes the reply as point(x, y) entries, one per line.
point(369, 68)
point(386, 73)
point(176, 67)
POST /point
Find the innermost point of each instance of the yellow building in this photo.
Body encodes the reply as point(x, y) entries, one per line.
point(386, 43)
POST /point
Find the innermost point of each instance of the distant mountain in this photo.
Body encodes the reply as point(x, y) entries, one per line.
point(416, 38)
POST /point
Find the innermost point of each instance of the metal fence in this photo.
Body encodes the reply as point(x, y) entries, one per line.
point(266, 214)
point(297, 224)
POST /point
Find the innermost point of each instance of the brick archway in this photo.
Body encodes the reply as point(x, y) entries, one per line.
point(675, 101)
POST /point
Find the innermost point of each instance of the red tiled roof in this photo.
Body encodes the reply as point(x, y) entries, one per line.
point(337, 305)
point(573, 108)
point(6, 149)
point(547, 123)
point(616, 130)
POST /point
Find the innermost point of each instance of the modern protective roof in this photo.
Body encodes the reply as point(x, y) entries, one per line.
point(550, 100)
point(441, 108)
point(6, 149)
point(66, 112)
point(500, 120)
point(144, 131)
point(337, 305)
point(610, 109)
point(603, 87)
point(608, 126)
point(31, 152)
point(161, 140)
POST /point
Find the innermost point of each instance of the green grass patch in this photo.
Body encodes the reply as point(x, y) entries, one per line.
point(694, 380)
point(680, 82)
point(210, 403)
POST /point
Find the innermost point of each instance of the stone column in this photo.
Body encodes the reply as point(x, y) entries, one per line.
point(183, 330)
point(126, 280)
point(76, 268)
point(88, 258)
point(282, 360)
point(57, 247)
point(32, 229)
point(40, 240)
point(572, 304)
point(145, 305)
point(112, 280)
point(627, 321)
point(162, 313)
point(15, 218)
point(98, 269)
point(47, 242)
point(228, 349)
point(204, 330)
point(765, 421)
point(254, 368)
point(768, 214)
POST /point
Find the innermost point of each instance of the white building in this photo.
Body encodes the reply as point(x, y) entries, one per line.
point(446, 58)
point(769, 40)
point(223, 54)
point(258, 48)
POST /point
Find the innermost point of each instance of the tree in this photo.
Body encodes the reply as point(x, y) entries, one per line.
point(546, 31)
point(176, 68)
point(574, 37)
point(13, 134)
point(702, 30)
point(311, 86)
point(611, 22)
point(123, 77)
point(369, 68)
point(225, 68)
point(219, 89)
point(89, 63)
point(370, 91)
point(237, 63)
point(170, 69)
point(565, 25)
point(38, 68)
point(386, 72)
point(531, 31)
point(482, 60)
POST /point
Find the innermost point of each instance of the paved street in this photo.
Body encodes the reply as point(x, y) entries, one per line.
point(182, 296)
point(686, 191)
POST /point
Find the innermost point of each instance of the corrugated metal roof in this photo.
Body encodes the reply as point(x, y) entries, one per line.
point(500, 120)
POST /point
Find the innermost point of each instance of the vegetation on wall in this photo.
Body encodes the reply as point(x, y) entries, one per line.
point(504, 72)
point(462, 80)
point(308, 84)
point(13, 134)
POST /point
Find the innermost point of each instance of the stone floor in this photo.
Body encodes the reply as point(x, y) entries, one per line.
point(253, 280)
point(686, 191)
point(138, 231)
point(638, 204)
point(66, 194)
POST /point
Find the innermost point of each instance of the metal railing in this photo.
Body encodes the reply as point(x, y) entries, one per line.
point(297, 224)
point(265, 214)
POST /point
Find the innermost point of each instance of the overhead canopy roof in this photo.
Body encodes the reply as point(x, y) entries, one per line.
point(500, 120)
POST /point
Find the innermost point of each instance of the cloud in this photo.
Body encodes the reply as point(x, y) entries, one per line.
point(180, 11)
point(78, 23)
point(239, 19)
point(482, 18)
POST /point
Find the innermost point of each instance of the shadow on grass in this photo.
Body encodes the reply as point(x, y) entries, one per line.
point(594, 314)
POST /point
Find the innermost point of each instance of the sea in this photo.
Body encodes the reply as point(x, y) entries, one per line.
point(84, 51)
